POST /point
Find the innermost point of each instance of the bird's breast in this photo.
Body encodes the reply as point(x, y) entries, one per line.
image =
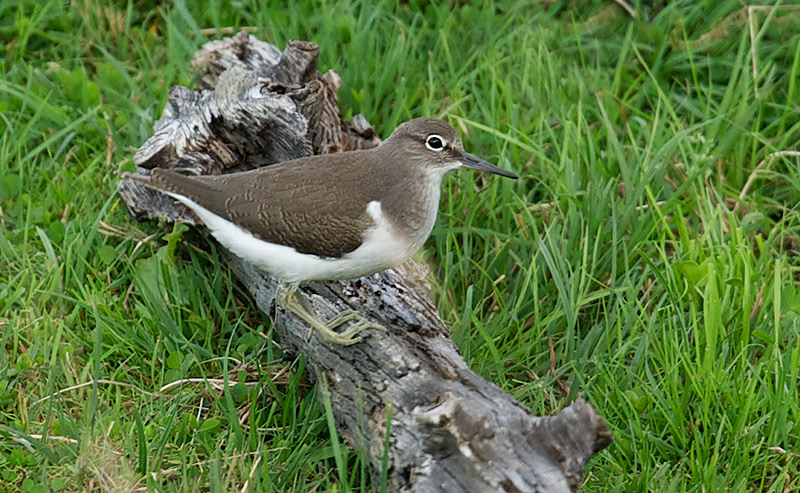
point(414, 216)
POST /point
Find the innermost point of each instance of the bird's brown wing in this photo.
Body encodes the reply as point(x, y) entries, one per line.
point(312, 207)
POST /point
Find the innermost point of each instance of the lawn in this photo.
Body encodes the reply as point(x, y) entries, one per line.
point(647, 260)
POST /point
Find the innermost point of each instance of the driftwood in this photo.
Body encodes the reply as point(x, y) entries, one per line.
point(450, 429)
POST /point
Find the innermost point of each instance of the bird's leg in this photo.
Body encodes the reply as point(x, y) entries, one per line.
point(347, 337)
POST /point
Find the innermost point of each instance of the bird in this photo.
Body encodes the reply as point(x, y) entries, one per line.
point(329, 217)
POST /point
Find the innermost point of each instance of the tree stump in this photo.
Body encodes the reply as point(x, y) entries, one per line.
point(450, 429)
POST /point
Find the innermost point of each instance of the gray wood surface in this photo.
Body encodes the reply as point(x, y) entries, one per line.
point(450, 429)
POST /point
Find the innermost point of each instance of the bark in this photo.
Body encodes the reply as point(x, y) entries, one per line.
point(450, 429)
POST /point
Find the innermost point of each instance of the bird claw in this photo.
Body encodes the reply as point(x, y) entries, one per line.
point(347, 337)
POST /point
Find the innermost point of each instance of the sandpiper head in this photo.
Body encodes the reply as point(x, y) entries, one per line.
point(436, 144)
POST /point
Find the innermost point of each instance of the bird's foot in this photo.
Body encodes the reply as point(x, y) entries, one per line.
point(326, 329)
point(359, 323)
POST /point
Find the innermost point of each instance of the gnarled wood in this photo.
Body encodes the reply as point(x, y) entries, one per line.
point(451, 430)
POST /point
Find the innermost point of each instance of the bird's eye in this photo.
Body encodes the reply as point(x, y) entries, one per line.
point(435, 142)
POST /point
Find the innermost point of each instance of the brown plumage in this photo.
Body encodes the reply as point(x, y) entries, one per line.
point(318, 205)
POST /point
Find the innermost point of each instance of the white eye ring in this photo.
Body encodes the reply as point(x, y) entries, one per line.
point(435, 142)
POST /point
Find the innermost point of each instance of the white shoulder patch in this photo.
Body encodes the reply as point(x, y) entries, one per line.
point(374, 210)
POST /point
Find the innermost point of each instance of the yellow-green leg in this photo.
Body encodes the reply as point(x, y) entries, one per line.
point(346, 337)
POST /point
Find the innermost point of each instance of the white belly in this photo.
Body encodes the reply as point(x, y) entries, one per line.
point(381, 249)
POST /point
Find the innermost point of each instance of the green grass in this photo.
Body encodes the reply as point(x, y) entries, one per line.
point(622, 266)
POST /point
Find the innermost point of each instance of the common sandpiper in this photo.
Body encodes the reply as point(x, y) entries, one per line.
point(329, 217)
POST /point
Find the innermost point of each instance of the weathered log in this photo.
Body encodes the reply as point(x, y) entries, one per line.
point(450, 429)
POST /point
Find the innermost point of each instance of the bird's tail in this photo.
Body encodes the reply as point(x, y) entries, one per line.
point(143, 179)
point(197, 188)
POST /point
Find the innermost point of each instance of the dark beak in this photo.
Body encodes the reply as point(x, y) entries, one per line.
point(474, 162)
